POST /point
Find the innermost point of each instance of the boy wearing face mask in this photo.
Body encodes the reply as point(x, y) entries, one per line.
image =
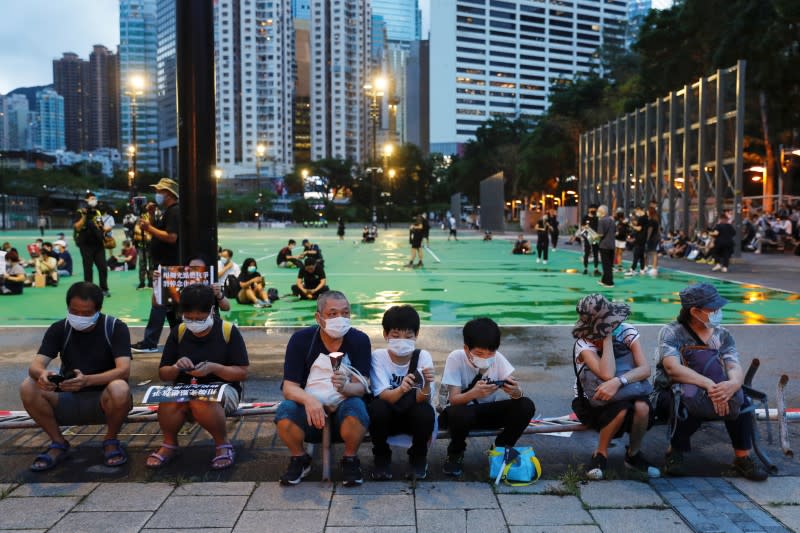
point(402, 395)
point(315, 389)
point(92, 385)
point(204, 349)
point(698, 329)
point(483, 394)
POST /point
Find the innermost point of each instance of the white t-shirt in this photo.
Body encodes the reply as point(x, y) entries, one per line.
point(624, 332)
point(459, 372)
point(233, 271)
point(386, 374)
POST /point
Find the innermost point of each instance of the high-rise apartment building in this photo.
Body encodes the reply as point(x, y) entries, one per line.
point(491, 58)
point(340, 51)
point(15, 118)
point(637, 11)
point(101, 115)
point(50, 121)
point(166, 87)
point(402, 17)
point(69, 80)
point(137, 61)
point(254, 54)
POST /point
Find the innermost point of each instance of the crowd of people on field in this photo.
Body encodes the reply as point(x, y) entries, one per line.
point(332, 373)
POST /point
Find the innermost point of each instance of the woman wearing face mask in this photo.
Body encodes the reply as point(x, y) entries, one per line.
point(14, 276)
point(251, 286)
point(696, 332)
point(483, 394)
point(402, 394)
point(203, 349)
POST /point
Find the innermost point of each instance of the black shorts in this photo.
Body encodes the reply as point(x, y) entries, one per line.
point(600, 417)
point(79, 408)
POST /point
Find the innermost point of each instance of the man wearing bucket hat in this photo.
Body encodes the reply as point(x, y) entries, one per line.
point(163, 251)
point(697, 334)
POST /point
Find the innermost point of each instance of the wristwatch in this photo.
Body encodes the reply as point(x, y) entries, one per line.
point(623, 380)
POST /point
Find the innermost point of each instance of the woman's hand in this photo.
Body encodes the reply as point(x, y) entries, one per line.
point(608, 389)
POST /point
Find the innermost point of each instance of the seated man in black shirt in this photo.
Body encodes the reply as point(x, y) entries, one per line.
point(285, 258)
point(92, 387)
point(311, 280)
point(202, 349)
point(312, 250)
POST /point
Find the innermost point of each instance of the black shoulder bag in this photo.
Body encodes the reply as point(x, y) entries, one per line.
point(408, 399)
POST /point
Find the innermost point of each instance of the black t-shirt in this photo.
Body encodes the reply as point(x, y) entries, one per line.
point(247, 276)
point(305, 345)
point(590, 221)
point(655, 235)
point(541, 229)
point(311, 279)
point(314, 248)
point(283, 254)
point(211, 348)
point(416, 234)
point(553, 221)
point(91, 235)
point(726, 232)
point(641, 235)
point(622, 230)
point(87, 351)
point(162, 252)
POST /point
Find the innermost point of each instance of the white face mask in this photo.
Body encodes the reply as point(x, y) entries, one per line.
point(481, 363)
point(159, 198)
point(223, 260)
point(199, 326)
point(82, 323)
point(91, 203)
point(337, 327)
point(402, 347)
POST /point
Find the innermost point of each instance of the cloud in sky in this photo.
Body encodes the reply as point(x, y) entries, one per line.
point(37, 31)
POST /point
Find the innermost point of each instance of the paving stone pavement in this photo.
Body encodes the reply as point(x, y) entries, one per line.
point(670, 505)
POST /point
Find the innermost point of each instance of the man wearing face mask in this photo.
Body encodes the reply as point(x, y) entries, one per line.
point(401, 382)
point(316, 386)
point(92, 385)
point(697, 330)
point(163, 251)
point(88, 234)
point(482, 393)
point(203, 349)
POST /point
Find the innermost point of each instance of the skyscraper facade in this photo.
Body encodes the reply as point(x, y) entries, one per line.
point(254, 52)
point(50, 121)
point(69, 80)
point(101, 116)
point(637, 11)
point(340, 52)
point(15, 118)
point(493, 58)
point(137, 59)
point(402, 18)
point(166, 87)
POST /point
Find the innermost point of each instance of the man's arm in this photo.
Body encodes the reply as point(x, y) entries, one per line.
point(160, 234)
point(121, 370)
point(319, 286)
point(314, 410)
point(78, 224)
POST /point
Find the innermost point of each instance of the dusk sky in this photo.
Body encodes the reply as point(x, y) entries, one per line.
point(37, 31)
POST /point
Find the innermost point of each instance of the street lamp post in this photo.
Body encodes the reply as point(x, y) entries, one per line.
point(261, 149)
point(374, 90)
point(135, 88)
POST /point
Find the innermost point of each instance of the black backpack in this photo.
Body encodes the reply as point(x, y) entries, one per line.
point(272, 294)
point(231, 287)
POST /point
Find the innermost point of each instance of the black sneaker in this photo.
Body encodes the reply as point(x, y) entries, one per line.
point(351, 472)
point(140, 287)
point(142, 347)
point(107, 293)
point(585, 271)
point(597, 272)
point(750, 469)
point(598, 467)
point(674, 465)
point(382, 469)
point(453, 465)
point(639, 463)
point(418, 467)
point(299, 467)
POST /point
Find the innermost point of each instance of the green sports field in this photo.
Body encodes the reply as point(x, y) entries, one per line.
point(473, 278)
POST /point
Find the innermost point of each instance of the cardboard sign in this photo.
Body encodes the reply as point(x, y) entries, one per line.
point(174, 278)
point(209, 392)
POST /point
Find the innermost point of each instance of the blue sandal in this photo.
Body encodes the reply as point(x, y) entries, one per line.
point(228, 454)
point(119, 451)
point(48, 460)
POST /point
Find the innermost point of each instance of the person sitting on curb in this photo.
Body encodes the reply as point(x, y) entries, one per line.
point(600, 330)
point(316, 387)
point(92, 386)
point(311, 280)
point(697, 331)
point(202, 349)
point(477, 376)
point(401, 394)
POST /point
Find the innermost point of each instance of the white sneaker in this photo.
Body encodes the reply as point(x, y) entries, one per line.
point(716, 267)
point(724, 270)
point(653, 272)
point(642, 272)
point(538, 260)
point(545, 261)
point(629, 273)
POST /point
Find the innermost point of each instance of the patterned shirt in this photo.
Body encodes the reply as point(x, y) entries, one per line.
point(675, 336)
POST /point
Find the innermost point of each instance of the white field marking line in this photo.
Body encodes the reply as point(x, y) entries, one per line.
point(707, 276)
point(444, 325)
point(267, 256)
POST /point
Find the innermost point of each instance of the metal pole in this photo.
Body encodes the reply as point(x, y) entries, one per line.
point(702, 176)
point(196, 127)
point(687, 169)
point(719, 172)
point(673, 108)
point(738, 170)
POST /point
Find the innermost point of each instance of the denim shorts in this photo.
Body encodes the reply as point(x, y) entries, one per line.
point(79, 408)
point(296, 412)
